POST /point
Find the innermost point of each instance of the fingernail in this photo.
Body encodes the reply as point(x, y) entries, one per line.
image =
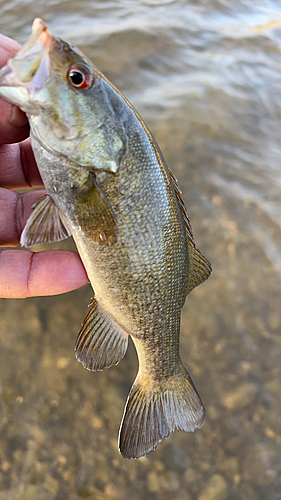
point(18, 118)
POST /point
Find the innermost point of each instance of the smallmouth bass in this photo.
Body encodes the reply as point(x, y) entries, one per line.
point(109, 187)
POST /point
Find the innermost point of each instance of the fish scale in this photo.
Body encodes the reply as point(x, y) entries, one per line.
point(109, 187)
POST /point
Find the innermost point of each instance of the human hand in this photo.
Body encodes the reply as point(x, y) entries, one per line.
point(24, 273)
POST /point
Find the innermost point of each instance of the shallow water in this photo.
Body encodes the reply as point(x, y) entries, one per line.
point(205, 76)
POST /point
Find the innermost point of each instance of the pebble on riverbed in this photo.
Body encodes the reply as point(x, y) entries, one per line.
point(215, 489)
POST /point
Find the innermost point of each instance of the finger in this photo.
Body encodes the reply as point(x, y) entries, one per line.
point(18, 167)
point(15, 208)
point(13, 122)
point(28, 274)
point(8, 48)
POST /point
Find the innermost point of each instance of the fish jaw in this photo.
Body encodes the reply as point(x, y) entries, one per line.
point(28, 71)
point(65, 119)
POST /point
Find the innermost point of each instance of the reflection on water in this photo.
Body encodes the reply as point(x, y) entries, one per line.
point(206, 78)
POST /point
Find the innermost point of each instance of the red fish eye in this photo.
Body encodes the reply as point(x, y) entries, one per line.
point(79, 77)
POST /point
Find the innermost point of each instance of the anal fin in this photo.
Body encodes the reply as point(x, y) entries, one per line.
point(101, 342)
point(46, 224)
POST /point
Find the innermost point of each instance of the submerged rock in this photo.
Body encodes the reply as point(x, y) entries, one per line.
point(215, 489)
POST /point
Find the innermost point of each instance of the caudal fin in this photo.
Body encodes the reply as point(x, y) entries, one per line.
point(156, 409)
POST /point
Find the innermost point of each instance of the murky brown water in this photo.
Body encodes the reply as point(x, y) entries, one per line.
point(206, 78)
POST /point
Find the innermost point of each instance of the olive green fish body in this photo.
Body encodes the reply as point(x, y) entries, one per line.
point(109, 187)
point(142, 279)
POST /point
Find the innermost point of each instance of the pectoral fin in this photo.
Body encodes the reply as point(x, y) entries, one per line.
point(94, 212)
point(102, 342)
point(45, 225)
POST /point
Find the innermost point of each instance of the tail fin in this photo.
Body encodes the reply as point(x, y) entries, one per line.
point(156, 409)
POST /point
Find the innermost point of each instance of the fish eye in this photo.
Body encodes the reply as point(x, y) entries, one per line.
point(79, 77)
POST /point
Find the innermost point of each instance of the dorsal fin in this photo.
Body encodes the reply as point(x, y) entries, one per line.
point(199, 267)
point(178, 193)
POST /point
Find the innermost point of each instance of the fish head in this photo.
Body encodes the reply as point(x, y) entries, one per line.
point(67, 100)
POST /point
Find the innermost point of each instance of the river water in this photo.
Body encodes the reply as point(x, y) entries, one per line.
point(206, 77)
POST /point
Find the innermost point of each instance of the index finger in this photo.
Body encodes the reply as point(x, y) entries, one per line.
point(13, 122)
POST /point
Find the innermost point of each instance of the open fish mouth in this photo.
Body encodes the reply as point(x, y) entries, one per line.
point(26, 73)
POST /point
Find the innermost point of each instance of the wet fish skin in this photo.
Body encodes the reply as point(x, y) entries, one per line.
point(108, 186)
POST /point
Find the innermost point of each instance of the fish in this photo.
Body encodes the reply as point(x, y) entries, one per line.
point(108, 187)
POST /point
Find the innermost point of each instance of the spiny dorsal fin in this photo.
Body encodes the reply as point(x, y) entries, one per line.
point(101, 342)
point(155, 409)
point(46, 224)
point(180, 199)
point(199, 267)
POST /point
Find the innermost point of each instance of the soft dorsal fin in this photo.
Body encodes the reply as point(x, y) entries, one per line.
point(46, 224)
point(199, 267)
point(101, 342)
